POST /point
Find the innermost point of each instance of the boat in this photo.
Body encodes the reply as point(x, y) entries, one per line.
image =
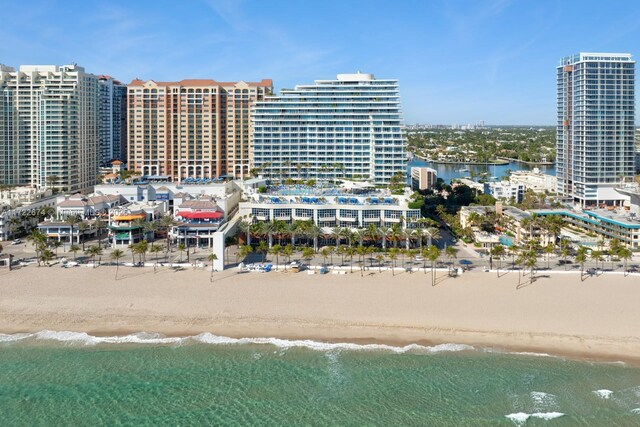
point(463, 170)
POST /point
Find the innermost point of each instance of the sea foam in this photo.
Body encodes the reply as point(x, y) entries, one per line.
point(520, 418)
point(603, 393)
point(82, 338)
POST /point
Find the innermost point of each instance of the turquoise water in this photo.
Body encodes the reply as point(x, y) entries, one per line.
point(506, 241)
point(188, 382)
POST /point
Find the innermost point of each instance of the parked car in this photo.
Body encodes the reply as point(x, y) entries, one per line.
point(16, 242)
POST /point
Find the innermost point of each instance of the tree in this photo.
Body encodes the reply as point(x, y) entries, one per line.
point(548, 250)
point(336, 234)
point(287, 252)
point(277, 251)
point(155, 249)
point(393, 255)
point(181, 248)
point(74, 249)
point(245, 228)
point(581, 258)
point(167, 222)
point(71, 221)
point(380, 258)
point(597, 257)
point(55, 245)
point(116, 255)
point(351, 251)
point(99, 225)
point(362, 252)
point(263, 248)
point(307, 254)
point(314, 231)
point(45, 256)
point(626, 255)
point(82, 227)
point(451, 252)
point(245, 250)
point(325, 254)
point(93, 251)
point(211, 258)
point(141, 249)
point(433, 253)
point(498, 252)
point(51, 181)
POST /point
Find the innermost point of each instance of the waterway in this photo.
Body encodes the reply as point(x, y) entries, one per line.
point(451, 171)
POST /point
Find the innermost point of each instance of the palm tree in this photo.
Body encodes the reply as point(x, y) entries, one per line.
point(82, 227)
point(452, 253)
point(372, 233)
point(433, 253)
point(498, 252)
point(380, 258)
point(181, 248)
point(167, 222)
point(597, 257)
point(155, 249)
point(433, 233)
point(46, 256)
point(74, 249)
point(287, 252)
point(325, 254)
point(384, 233)
point(245, 228)
point(340, 250)
point(116, 254)
point(211, 258)
point(614, 248)
point(307, 255)
point(277, 251)
point(263, 248)
point(93, 251)
point(336, 235)
point(55, 245)
point(362, 252)
point(99, 225)
point(393, 255)
point(141, 249)
point(351, 251)
point(245, 250)
point(626, 255)
point(514, 249)
point(314, 231)
point(395, 234)
point(548, 250)
point(71, 221)
point(132, 248)
point(581, 258)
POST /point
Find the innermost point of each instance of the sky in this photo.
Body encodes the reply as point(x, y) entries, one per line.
point(457, 61)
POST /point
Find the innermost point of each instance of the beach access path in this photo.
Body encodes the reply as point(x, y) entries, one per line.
point(596, 318)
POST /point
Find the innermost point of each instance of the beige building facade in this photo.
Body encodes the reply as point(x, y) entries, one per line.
point(192, 128)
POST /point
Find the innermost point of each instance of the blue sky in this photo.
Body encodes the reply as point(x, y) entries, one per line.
point(457, 61)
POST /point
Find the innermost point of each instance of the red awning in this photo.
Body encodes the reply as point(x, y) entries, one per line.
point(201, 215)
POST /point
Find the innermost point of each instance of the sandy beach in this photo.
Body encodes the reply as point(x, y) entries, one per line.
point(596, 319)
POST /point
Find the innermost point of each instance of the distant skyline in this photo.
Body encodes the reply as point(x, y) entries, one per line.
point(457, 61)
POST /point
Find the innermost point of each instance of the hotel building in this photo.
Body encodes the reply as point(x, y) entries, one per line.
point(349, 127)
point(191, 128)
point(113, 120)
point(49, 126)
point(595, 126)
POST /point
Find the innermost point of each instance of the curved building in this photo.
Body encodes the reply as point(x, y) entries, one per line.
point(350, 127)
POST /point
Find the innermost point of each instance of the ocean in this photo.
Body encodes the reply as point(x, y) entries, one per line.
point(75, 379)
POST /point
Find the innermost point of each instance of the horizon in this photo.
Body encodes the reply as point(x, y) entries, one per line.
point(456, 62)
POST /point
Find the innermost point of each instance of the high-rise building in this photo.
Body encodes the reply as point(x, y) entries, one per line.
point(595, 127)
point(113, 120)
point(349, 127)
point(49, 127)
point(191, 128)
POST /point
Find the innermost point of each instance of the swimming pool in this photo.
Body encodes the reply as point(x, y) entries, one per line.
point(506, 241)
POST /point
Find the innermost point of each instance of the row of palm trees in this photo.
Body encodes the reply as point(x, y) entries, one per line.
point(527, 255)
point(309, 232)
point(429, 253)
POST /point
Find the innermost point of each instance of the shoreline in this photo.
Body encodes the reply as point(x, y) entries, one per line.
point(442, 162)
point(594, 320)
